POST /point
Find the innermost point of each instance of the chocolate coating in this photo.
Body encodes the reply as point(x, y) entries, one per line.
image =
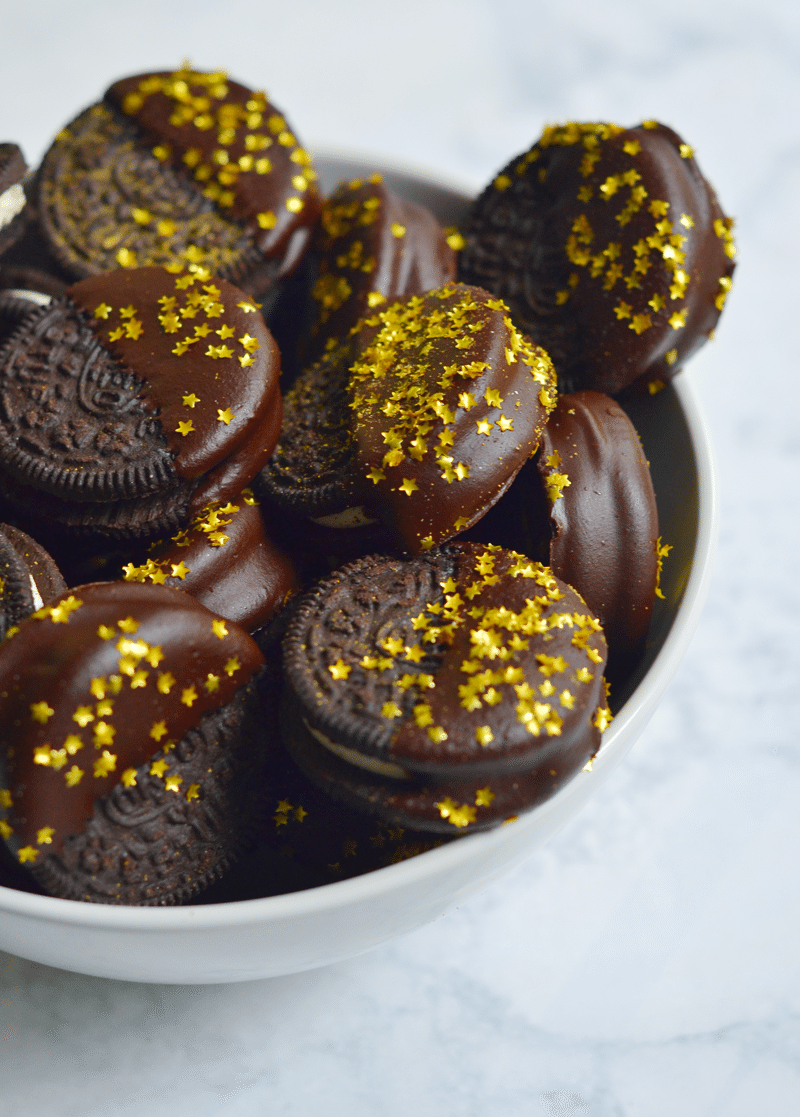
point(371, 247)
point(29, 577)
point(610, 248)
point(226, 559)
point(93, 685)
point(179, 166)
point(603, 514)
point(13, 212)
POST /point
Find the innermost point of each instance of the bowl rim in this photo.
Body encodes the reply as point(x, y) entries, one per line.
point(371, 885)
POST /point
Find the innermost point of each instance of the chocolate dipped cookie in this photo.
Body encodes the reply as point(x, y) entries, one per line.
point(134, 746)
point(179, 166)
point(421, 419)
point(135, 400)
point(370, 247)
point(585, 506)
point(610, 248)
point(447, 692)
point(225, 558)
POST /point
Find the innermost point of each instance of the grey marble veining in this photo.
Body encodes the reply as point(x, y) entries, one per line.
point(645, 963)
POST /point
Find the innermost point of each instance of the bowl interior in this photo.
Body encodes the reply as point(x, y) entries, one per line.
point(284, 934)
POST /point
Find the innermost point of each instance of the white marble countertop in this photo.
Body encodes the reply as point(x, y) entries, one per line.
point(645, 964)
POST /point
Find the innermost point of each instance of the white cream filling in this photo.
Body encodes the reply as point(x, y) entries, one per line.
point(350, 517)
point(12, 202)
point(37, 297)
point(37, 597)
point(357, 759)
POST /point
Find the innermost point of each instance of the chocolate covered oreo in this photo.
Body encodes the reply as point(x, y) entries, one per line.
point(451, 690)
point(420, 420)
point(134, 746)
point(179, 166)
point(136, 399)
point(610, 248)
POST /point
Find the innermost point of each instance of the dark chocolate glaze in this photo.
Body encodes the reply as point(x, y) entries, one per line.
point(610, 248)
point(244, 382)
point(605, 521)
point(421, 419)
point(226, 559)
point(93, 685)
point(447, 806)
point(370, 248)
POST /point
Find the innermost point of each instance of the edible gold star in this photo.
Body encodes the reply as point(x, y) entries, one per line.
point(158, 768)
point(484, 796)
point(191, 400)
point(225, 416)
point(219, 628)
point(188, 695)
point(232, 666)
point(27, 853)
point(45, 836)
point(193, 791)
point(102, 311)
point(41, 712)
point(106, 763)
point(74, 776)
point(60, 613)
point(180, 570)
point(339, 670)
point(173, 782)
point(158, 730)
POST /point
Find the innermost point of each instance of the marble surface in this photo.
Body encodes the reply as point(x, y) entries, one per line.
point(645, 963)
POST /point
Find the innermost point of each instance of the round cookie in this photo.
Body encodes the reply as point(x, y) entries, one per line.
point(184, 166)
point(610, 248)
point(137, 399)
point(421, 419)
point(134, 749)
point(451, 690)
point(29, 577)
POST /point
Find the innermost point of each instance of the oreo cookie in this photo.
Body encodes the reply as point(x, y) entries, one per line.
point(421, 419)
point(370, 248)
point(135, 400)
point(184, 166)
point(29, 577)
point(135, 748)
point(445, 693)
point(611, 249)
point(13, 202)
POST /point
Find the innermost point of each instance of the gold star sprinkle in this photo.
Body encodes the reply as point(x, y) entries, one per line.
point(193, 791)
point(41, 712)
point(74, 776)
point(158, 768)
point(173, 783)
point(165, 683)
point(232, 666)
point(191, 400)
point(219, 628)
point(128, 777)
point(484, 796)
point(102, 311)
point(225, 416)
point(105, 764)
point(27, 853)
point(158, 730)
point(128, 625)
point(188, 696)
point(339, 670)
point(60, 613)
point(45, 836)
point(179, 570)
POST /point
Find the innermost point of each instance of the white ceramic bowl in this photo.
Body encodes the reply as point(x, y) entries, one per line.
point(286, 934)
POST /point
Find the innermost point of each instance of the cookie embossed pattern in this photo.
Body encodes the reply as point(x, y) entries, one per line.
point(284, 934)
